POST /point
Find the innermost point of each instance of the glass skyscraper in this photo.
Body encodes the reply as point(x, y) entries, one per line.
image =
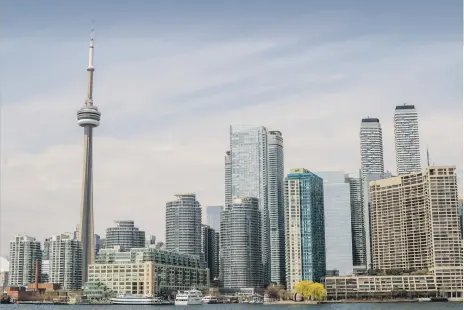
point(213, 217)
point(254, 168)
point(240, 250)
point(304, 227)
point(125, 234)
point(337, 218)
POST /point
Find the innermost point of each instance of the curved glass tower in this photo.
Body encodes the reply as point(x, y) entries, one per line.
point(88, 117)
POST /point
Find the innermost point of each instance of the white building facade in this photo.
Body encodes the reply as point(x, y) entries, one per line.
point(407, 144)
point(65, 264)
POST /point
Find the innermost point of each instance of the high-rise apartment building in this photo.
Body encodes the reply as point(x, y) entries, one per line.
point(358, 238)
point(66, 261)
point(305, 228)
point(240, 249)
point(337, 219)
point(407, 144)
point(217, 248)
point(371, 146)
point(276, 207)
point(460, 216)
point(208, 249)
point(46, 249)
point(24, 253)
point(415, 225)
point(213, 217)
point(183, 225)
point(256, 170)
point(125, 235)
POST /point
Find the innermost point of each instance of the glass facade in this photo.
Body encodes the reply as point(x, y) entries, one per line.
point(213, 217)
point(337, 217)
point(305, 230)
point(125, 234)
point(240, 251)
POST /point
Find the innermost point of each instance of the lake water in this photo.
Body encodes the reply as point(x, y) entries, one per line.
point(350, 306)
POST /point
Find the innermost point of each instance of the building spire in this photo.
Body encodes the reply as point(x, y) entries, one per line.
point(90, 69)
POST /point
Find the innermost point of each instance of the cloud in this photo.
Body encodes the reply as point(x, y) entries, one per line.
point(166, 116)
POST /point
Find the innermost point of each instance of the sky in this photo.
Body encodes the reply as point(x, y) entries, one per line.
point(172, 76)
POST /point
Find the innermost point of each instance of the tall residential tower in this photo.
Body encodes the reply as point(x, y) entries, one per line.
point(407, 139)
point(88, 117)
point(371, 146)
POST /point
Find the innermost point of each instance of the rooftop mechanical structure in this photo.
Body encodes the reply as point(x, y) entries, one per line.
point(89, 118)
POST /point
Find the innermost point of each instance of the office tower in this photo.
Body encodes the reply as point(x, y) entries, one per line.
point(276, 202)
point(150, 240)
point(304, 227)
point(208, 249)
point(213, 217)
point(407, 139)
point(415, 225)
point(125, 235)
point(183, 225)
point(66, 261)
point(337, 219)
point(371, 146)
point(228, 178)
point(99, 243)
point(240, 249)
point(358, 239)
point(24, 253)
point(89, 118)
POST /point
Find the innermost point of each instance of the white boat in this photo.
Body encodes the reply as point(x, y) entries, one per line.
point(135, 300)
point(209, 300)
point(187, 298)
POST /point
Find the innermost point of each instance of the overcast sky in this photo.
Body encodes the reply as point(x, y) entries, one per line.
point(172, 76)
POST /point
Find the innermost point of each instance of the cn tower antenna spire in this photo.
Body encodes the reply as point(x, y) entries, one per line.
point(90, 68)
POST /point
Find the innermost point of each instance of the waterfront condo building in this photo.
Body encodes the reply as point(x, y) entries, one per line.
point(407, 144)
point(337, 219)
point(208, 249)
point(125, 235)
point(254, 168)
point(415, 226)
point(183, 225)
point(25, 252)
point(65, 264)
point(240, 250)
point(305, 230)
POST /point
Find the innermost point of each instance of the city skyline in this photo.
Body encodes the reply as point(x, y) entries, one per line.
point(332, 81)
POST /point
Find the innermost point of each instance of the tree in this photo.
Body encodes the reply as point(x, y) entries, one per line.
point(304, 288)
point(318, 291)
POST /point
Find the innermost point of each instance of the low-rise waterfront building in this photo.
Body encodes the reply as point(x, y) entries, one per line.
point(362, 287)
point(148, 271)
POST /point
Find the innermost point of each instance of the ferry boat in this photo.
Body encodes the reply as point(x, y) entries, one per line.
point(135, 300)
point(187, 298)
point(209, 300)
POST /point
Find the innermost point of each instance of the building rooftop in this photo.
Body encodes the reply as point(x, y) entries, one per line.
point(405, 107)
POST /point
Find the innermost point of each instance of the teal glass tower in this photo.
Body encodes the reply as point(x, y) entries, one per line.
point(304, 227)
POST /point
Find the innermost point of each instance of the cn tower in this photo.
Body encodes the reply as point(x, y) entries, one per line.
point(89, 118)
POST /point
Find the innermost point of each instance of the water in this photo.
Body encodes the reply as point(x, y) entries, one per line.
point(350, 306)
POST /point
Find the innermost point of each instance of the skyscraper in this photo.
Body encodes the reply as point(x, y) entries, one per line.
point(213, 217)
point(337, 219)
point(358, 237)
point(240, 250)
point(208, 249)
point(276, 202)
point(125, 235)
point(407, 139)
point(415, 225)
point(256, 170)
point(249, 171)
point(24, 252)
point(305, 228)
point(66, 261)
point(371, 146)
point(88, 117)
point(183, 225)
